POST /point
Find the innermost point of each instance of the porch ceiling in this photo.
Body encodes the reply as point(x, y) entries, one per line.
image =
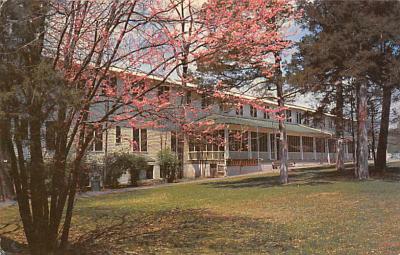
point(263, 123)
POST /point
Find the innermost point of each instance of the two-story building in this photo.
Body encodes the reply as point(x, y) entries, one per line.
point(245, 137)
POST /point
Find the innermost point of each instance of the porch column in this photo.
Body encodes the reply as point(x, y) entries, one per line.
point(301, 148)
point(275, 147)
point(258, 147)
point(315, 148)
point(327, 149)
point(249, 141)
point(269, 146)
point(226, 144)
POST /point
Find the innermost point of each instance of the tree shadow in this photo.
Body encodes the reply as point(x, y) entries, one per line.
point(297, 177)
point(311, 176)
point(194, 231)
point(10, 245)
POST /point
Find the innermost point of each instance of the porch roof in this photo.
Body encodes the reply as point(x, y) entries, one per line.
point(265, 123)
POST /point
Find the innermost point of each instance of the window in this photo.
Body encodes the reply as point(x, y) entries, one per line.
point(263, 141)
point(320, 143)
point(332, 145)
point(331, 123)
point(98, 140)
point(350, 146)
point(253, 111)
point(266, 113)
point(260, 142)
point(50, 135)
point(272, 141)
point(188, 97)
point(118, 135)
point(293, 143)
point(306, 120)
point(254, 141)
point(299, 117)
point(215, 142)
point(205, 101)
point(239, 110)
point(288, 116)
point(110, 86)
point(308, 144)
point(245, 142)
point(139, 139)
point(143, 140)
point(163, 92)
point(238, 141)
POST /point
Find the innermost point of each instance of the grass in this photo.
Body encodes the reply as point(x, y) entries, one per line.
point(319, 212)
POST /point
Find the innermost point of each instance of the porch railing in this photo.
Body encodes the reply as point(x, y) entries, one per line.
point(206, 155)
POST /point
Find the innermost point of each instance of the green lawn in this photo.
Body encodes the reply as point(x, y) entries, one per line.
point(319, 212)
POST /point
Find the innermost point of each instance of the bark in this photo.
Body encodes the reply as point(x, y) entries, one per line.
point(339, 128)
point(282, 129)
point(6, 186)
point(362, 132)
point(384, 129)
point(373, 142)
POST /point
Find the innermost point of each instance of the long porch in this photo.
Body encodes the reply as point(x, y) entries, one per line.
point(252, 147)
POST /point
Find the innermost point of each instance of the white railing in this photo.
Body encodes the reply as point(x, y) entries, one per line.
point(206, 155)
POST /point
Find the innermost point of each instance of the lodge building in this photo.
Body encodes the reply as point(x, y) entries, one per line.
point(249, 135)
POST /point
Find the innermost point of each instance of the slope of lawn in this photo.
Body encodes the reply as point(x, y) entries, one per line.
point(319, 212)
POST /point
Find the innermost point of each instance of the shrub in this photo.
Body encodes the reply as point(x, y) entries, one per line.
point(169, 164)
point(120, 163)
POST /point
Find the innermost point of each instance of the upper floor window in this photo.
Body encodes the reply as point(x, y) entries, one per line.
point(306, 120)
point(98, 140)
point(288, 116)
point(223, 107)
point(188, 97)
point(205, 101)
point(239, 110)
point(253, 111)
point(118, 135)
point(299, 117)
point(110, 86)
point(266, 113)
point(163, 92)
point(331, 124)
point(139, 139)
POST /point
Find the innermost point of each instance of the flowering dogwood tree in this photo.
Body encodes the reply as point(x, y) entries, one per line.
point(249, 33)
point(86, 64)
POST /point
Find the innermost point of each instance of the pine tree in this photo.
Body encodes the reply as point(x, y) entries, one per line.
point(342, 55)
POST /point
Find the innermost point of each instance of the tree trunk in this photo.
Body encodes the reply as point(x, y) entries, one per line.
point(384, 129)
point(6, 186)
point(372, 129)
point(339, 127)
point(282, 129)
point(362, 132)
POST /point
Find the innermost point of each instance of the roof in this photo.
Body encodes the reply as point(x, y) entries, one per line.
point(195, 86)
point(290, 127)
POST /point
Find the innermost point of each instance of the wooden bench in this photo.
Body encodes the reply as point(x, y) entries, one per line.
point(277, 163)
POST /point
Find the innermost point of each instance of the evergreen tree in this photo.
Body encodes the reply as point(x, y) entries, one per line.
point(343, 55)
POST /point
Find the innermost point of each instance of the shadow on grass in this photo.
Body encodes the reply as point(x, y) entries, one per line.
point(6, 243)
point(177, 231)
point(307, 177)
point(297, 177)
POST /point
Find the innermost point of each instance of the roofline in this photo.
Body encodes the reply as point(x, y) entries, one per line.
point(195, 86)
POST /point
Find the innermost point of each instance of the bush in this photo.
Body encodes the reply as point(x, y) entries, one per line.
point(169, 164)
point(120, 163)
